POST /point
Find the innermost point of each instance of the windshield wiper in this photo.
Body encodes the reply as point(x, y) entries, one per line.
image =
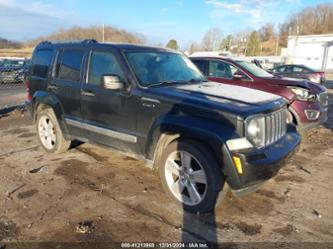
point(190, 81)
point(163, 83)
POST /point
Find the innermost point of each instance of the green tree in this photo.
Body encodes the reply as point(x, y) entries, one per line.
point(226, 43)
point(172, 44)
point(253, 47)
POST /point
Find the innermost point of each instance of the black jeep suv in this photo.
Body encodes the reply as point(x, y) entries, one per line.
point(154, 104)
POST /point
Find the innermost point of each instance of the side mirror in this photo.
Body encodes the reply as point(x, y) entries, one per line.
point(239, 76)
point(112, 82)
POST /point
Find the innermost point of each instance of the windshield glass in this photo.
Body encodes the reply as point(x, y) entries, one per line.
point(255, 70)
point(155, 68)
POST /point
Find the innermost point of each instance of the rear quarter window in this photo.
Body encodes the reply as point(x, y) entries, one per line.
point(41, 62)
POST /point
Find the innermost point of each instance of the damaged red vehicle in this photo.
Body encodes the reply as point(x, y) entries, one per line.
point(308, 102)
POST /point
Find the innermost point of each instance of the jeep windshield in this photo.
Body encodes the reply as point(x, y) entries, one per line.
point(161, 68)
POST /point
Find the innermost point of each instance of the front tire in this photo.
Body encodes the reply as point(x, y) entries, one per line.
point(49, 132)
point(191, 175)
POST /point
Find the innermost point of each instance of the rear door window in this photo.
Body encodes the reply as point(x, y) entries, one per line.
point(297, 69)
point(279, 69)
point(69, 65)
point(41, 62)
point(289, 69)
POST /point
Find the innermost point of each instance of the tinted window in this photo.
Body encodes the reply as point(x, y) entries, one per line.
point(297, 69)
point(69, 65)
point(300, 70)
point(201, 65)
point(279, 70)
point(155, 68)
point(221, 69)
point(41, 62)
point(253, 69)
point(289, 69)
point(102, 63)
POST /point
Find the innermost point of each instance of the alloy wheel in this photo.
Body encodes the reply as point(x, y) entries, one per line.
point(186, 178)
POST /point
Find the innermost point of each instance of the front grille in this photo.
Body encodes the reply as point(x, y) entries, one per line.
point(276, 126)
point(323, 98)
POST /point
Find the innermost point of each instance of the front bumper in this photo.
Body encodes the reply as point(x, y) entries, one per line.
point(262, 164)
point(298, 109)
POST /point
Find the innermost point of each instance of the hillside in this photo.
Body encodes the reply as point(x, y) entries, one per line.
point(95, 32)
point(4, 43)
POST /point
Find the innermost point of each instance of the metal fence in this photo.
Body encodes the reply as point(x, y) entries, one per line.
point(12, 86)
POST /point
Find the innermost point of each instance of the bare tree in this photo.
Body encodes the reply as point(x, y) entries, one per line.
point(212, 39)
point(311, 20)
point(4, 43)
point(193, 47)
point(267, 32)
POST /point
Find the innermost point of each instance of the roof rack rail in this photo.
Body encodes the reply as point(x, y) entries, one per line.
point(85, 41)
point(44, 43)
point(89, 41)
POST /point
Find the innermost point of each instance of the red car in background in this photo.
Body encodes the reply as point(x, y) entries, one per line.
point(308, 102)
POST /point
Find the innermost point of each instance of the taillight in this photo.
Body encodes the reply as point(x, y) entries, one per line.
point(27, 84)
point(320, 74)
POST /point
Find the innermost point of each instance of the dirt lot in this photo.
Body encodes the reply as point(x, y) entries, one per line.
point(95, 194)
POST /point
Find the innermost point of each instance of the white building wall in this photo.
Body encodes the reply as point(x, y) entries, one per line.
point(309, 50)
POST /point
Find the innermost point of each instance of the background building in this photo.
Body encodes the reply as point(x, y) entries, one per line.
point(309, 50)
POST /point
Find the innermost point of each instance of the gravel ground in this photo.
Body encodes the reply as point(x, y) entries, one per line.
point(12, 94)
point(94, 194)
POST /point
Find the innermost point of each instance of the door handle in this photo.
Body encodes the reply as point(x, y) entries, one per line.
point(150, 103)
point(53, 87)
point(87, 93)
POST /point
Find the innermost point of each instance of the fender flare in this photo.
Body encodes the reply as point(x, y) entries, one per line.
point(48, 99)
point(213, 134)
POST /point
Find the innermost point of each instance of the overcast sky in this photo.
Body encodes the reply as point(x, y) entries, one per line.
point(158, 20)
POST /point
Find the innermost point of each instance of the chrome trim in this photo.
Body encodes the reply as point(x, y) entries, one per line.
point(111, 133)
point(275, 126)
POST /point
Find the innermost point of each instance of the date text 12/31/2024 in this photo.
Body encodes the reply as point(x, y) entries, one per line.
point(165, 245)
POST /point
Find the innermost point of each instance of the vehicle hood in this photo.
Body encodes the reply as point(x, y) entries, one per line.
point(284, 81)
point(233, 93)
point(220, 97)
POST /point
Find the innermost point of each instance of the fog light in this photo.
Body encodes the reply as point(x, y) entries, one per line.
point(238, 164)
point(312, 114)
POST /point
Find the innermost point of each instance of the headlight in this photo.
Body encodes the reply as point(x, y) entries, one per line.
point(302, 94)
point(255, 130)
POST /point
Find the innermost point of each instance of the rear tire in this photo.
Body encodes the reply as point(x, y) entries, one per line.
point(49, 132)
point(191, 176)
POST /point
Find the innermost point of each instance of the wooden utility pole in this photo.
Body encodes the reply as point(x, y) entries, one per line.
point(103, 33)
point(277, 46)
